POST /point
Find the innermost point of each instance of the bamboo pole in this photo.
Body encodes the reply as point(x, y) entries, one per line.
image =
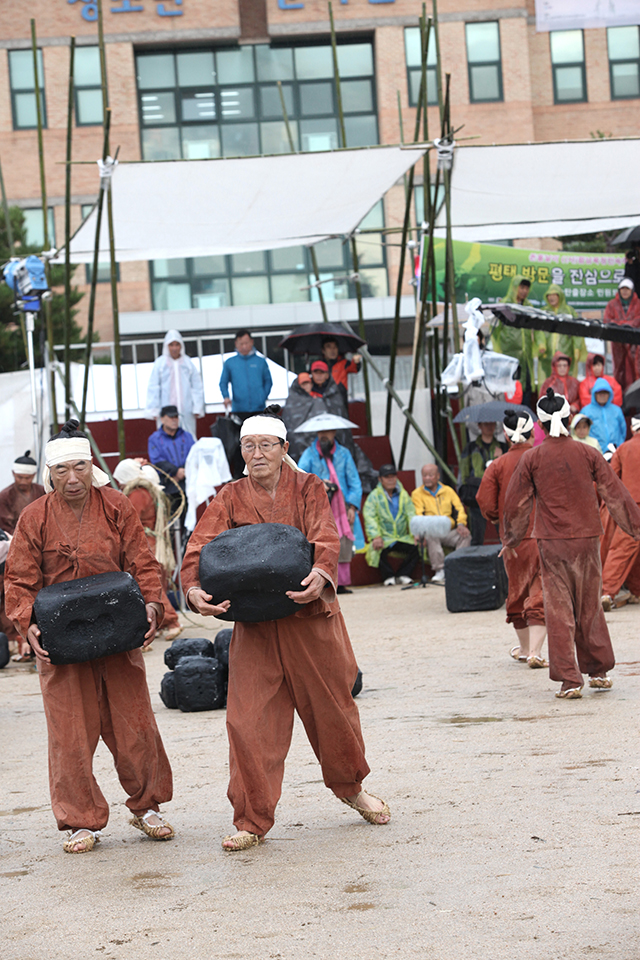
point(67, 241)
point(45, 216)
point(286, 118)
point(94, 275)
point(354, 250)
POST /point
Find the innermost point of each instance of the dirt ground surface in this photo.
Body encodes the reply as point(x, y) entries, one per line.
point(515, 827)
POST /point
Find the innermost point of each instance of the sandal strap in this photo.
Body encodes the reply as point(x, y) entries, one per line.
point(96, 834)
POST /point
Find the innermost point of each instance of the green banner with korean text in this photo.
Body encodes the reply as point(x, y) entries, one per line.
point(485, 270)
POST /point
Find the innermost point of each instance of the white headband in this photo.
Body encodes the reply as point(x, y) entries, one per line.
point(66, 449)
point(635, 424)
point(26, 469)
point(524, 425)
point(261, 426)
point(557, 427)
point(129, 469)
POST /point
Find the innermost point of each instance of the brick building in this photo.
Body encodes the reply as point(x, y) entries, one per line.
point(197, 78)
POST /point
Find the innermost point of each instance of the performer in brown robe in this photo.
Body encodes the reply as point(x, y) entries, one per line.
point(525, 604)
point(13, 500)
point(560, 475)
point(303, 662)
point(141, 484)
point(79, 529)
point(621, 565)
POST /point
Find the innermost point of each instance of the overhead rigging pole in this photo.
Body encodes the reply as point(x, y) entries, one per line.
point(67, 240)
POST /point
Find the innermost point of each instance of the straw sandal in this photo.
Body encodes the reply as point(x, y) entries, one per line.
point(140, 823)
point(242, 843)
point(573, 693)
point(86, 843)
point(171, 633)
point(371, 816)
point(601, 683)
point(535, 662)
point(515, 654)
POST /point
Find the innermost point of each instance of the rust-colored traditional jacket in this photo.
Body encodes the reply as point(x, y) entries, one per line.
point(50, 545)
point(495, 481)
point(300, 501)
point(12, 503)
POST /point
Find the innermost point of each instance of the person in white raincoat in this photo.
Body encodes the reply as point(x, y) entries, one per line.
point(175, 379)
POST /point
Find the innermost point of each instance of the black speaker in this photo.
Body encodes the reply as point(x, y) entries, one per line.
point(475, 579)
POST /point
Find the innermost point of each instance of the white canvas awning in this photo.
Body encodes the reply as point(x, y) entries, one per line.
point(196, 208)
point(542, 189)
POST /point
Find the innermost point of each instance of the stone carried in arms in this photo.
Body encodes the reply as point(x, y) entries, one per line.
point(91, 617)
point(253, 567)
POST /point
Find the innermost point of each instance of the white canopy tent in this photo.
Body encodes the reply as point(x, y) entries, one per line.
point(515, 191)
point(196, 208)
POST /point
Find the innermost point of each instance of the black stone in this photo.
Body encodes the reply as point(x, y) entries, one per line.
point(475, 579)
point(253, 567)
point(221, 647)
point(199, 684)
point(187, 647)
point(168, 691)
point(91, 617)
point(4, 650)
point(357, 687)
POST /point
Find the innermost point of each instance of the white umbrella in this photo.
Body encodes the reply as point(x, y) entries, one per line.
point(325, 421)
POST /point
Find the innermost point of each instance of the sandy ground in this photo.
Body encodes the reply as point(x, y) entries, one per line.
point(514, 832)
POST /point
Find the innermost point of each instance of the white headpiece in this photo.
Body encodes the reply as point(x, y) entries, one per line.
point(65, 449)
point(557, 427)
point(267, 426)
point(26, 469)
point(130, 469)
point(524, 425)
point(635, 424)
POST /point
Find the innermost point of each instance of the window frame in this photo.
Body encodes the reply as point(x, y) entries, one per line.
point(484, 63)
point(83, 87)
point(432, 71)
point(32, 90)
point(573, 63)
point(612, 63)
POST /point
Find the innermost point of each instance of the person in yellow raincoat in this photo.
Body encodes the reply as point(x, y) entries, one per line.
point(574, 347)
point(522, 344)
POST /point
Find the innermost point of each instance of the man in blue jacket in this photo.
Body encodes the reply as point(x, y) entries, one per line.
point(168, 448)
point(249, 377)
point(608, 425)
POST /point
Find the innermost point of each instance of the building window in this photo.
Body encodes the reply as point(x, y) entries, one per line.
point(88, 86)
point(483, 62)
point(272, 276)
point(23, 89)
point(567, 63)
point(624, 62)
point(226, 103)
point(104, 266)
point(34, 227)
point(413, 56)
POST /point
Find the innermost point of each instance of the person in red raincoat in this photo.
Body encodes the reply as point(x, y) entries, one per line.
point(594, 371)
point(562, 382)
point(624, 308)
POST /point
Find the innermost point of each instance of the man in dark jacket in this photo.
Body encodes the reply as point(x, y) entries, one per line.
point(168, 448)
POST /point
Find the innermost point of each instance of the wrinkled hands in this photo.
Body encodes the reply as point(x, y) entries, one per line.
point(33, 637)
point(198, 600)
point(315, 584)
point(152, 620)
point(508, 553)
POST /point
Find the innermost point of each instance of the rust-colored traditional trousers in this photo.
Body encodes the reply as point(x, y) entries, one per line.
point(301, 663)
point(571, 577)
point(106, 698)
point(621, 555)
point(276, 668)
point(525, 603)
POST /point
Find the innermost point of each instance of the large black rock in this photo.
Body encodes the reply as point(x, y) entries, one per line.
point(4, 650)
point(168, 691)
point(357, 687)
point(221, 647)
point(475, 579)
point(199, 684)
point(91, 617)
point(253, 567)
point(187, 647)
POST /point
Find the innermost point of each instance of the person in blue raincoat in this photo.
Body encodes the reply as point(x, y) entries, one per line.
point(333, 463)
point(175, 380)
point(608, 425)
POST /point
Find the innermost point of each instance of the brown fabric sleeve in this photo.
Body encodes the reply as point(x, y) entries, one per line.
point(488, 494)
point(23, 573)
point(619, 501)
point(518, 504)
point(616, 463)
point(215, 519)
point(6, 510)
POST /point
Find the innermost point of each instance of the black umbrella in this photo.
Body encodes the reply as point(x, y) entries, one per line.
point(491, 412)
point(632, 397)
point(630, 235)
point(530, 318)
point(309, 339)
